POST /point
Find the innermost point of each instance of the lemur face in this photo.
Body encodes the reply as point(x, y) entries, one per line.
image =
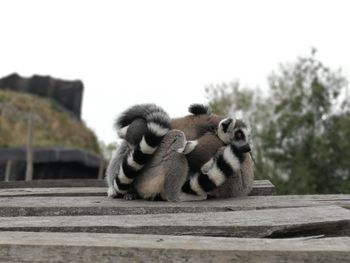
point(233, 131)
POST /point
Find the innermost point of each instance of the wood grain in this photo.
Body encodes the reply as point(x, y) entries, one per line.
point(54, 183)
point(328, 220)
point(77, 187)
point(97, 247)
point(98, 205)
point(261, 187)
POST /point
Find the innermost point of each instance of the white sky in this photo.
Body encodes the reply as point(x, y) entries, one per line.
point(165, 52)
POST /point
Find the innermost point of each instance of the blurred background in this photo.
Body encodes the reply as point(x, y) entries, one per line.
point(68, 68)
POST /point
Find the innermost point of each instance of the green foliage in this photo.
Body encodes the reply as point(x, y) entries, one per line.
point(301, 128)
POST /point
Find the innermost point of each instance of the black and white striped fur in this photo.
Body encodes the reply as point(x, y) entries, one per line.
point(216, 171)
point(147, 124)
point(235, 134)
point(132, 127)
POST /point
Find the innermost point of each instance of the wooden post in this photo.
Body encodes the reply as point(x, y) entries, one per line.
point(101, 168)
point(29, 168)
point(8, 170)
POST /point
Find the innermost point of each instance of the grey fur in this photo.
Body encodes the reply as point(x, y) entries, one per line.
point(143, 111)
point(167, 171)
point(114, 165)
point(135, 132)
point(142, 126)
point(239, 185)
point(168, 168)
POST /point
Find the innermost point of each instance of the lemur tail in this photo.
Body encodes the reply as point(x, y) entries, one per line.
point(157, 125)
point(199, 109)
point(225, 165)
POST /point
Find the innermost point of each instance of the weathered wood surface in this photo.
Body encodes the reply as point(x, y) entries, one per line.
point(54, 183)
point(98, 205)
point(328, 220)
point(263, 187)
point(81, 188)
point(96, 247)
point(53, 215)
point(54, 191)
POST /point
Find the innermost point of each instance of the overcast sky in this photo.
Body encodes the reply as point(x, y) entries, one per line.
point(165, 52)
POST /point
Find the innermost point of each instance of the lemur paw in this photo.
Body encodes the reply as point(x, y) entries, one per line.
point(183, 197)
point(112, 193)
point(131, 196)
point(188, 147)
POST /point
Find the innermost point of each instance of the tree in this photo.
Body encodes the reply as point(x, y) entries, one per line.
point(309, 104)
point(250, 105)
point(301, 128)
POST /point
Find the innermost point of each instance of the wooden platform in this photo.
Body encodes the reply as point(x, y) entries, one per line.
point(88, 187)
point(80, 224)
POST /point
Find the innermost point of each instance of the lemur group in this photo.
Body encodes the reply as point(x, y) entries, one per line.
point(196, 157)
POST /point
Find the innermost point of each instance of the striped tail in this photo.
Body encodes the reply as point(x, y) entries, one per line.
point(225, 165)
point(157, 125)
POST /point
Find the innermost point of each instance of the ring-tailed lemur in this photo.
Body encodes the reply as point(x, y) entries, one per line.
point(220, 151)
point(168, 170)
point(143, 127)
point(225, 164)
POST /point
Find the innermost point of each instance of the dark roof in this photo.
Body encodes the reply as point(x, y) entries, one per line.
point(47, 155)
point(68, 94)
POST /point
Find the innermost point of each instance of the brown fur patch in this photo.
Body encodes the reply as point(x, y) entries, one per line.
point(190, 124)
point(203, 129)
point(150, 186)
point(206, 148)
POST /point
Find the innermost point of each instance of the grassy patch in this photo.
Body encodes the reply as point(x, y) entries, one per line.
point(52, 127)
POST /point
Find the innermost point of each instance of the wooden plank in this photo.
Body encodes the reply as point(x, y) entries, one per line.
point(82, 188)
point(284, 222)
point(8, 170)
point(54, 183)
point(263, 187)
point(97, 205)
point(96, 247)
point(54, 191)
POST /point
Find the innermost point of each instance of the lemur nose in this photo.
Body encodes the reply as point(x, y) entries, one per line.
point(239, 135)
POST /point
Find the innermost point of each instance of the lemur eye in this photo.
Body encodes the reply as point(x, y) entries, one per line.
point(239, 135)
point(225, 124)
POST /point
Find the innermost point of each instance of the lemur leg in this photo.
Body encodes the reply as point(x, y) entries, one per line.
point(177, 170)
point(167, 171)
point(142, 127)
point(139, 155)
point(239, 185)
point(114, 166)
point(225, 164)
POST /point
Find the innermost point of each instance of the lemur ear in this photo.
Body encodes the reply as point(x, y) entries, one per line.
point(122, 132)
point(189, 147)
